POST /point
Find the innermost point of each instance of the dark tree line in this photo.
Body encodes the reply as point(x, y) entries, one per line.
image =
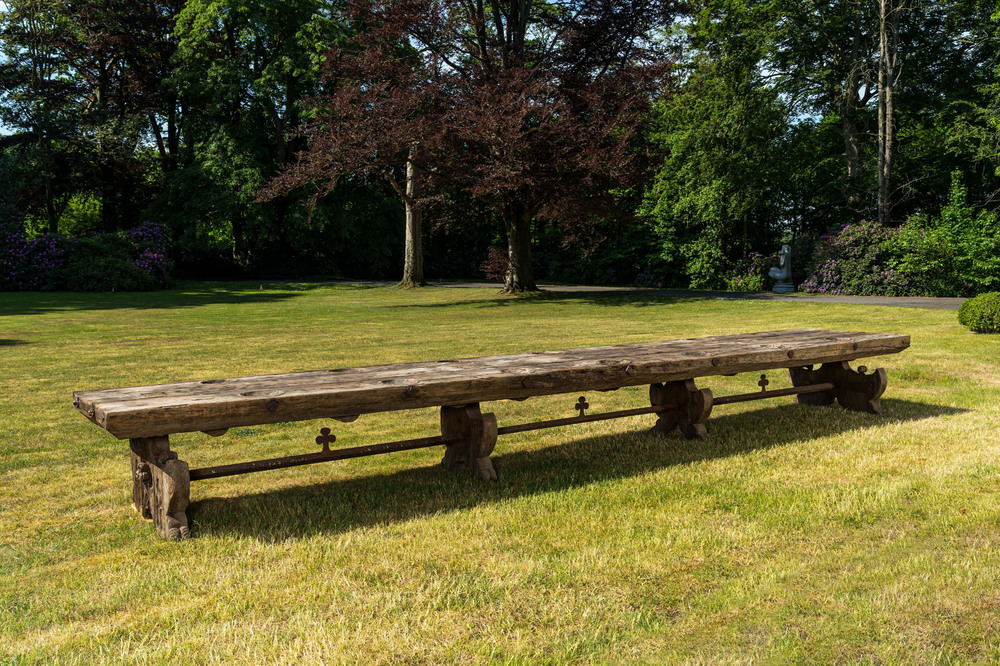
point(596, 141)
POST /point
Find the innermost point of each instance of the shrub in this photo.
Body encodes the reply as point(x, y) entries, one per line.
point(705, 261)
point(102, 263)
point(133, 260)
point(974, 237)
point(751, 273)
point(866, 259)
point(28, 265)
point(982, 313)
point(921, 255)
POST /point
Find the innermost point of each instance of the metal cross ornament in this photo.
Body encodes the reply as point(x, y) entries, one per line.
point(763, 383)
point(325, 439)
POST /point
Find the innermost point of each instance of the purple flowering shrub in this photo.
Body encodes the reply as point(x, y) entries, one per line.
point(28, 265)
point(151, 246)
point(132, 260)
point(750, 273)
point(866, 259)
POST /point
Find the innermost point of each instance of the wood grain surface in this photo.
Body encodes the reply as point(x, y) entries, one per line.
point(344, 393)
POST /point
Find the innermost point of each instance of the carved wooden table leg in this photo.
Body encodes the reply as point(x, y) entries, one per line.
point(142, 479)
point(854, 390)
point(161, 486)
point(477, 433)
point(689, 407)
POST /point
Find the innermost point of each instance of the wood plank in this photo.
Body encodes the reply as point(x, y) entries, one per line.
point(217, 404)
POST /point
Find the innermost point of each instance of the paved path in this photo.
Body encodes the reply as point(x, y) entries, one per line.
point(896, 301)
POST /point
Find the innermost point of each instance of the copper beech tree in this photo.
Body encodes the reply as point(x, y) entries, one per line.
point(533, 109)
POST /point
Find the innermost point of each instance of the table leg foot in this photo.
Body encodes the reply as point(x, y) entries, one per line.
point(161, 487)
point(687, 408)
point(855, 390)
point(477, 436)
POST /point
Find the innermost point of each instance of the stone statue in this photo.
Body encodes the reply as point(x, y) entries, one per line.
point(782, 273)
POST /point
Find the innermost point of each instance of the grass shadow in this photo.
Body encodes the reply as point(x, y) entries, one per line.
point(602, 298)
point(345, 505)
point(30, 303)
point(12, 343)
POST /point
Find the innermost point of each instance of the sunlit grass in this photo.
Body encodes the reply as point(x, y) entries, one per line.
point(795, 533)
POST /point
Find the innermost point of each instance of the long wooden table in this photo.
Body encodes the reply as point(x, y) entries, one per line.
point(148, 415)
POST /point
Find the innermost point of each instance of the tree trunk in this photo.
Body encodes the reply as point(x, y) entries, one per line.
point(109, 192)
point(520, 277)
point(413, 254)
point(50, 207)
point(880, 144)
point(849, 103)
point(888, 73)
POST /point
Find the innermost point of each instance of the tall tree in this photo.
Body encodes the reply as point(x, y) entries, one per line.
point(243, 70)
point(39, 96)
point(823, 59)
point(78, 82)
point(534, 109)
point(889, 66)
point(719, 192)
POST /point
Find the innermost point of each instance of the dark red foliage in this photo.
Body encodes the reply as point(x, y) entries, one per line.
point(496, 265)
point(532, 109)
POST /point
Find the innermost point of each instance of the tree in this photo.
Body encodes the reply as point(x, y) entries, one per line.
point(38, 94)
point(80, 85)
point(823, 61)
point(531, 108)
point(719, 193)
point(243, 69)
point(888, 76)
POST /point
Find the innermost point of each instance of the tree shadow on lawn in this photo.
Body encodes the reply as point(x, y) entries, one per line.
point(29, 303)
point(619, 299)
point(342, 506)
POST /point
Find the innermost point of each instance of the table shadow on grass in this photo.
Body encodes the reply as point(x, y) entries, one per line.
point(12, 343)
point(341, 506)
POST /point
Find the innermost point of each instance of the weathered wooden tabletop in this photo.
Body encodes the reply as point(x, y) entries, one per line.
point(217, 404)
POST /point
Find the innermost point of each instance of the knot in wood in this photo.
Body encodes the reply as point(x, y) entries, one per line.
point(142, 475)
point(271, 405)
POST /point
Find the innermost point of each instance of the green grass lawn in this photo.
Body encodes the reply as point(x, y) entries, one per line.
point(795, 534)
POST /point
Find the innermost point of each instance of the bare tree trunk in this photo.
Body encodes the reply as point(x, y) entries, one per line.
point(50, 207)
point(888, 75)
point(109, 192)
point(413, 255)
point(849, 104)
point(880, 144)
point(520, 278)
